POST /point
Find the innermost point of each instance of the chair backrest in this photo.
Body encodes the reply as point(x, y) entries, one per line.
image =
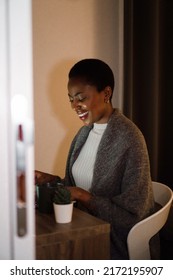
point(141, 233)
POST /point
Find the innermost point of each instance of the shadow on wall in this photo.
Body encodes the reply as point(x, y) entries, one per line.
point(106, 16)
point(61, 109)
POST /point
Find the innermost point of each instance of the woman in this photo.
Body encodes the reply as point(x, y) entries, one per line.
point(107, 170)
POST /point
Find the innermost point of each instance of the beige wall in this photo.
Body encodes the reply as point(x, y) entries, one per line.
point(65, 31)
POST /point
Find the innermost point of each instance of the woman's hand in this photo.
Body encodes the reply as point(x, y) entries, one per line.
point(42, 177)
point(80, 194)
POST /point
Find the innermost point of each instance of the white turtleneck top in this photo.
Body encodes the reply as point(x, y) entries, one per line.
point(83, 167)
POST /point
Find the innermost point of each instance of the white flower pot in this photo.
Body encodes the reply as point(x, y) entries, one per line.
point(63, 212)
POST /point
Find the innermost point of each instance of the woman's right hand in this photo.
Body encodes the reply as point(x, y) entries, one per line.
point(38, 177)
point(42, 177)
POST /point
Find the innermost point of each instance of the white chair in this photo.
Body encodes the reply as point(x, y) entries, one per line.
point(141, 233)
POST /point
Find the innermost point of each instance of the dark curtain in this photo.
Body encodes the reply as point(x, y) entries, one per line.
point(148, 79)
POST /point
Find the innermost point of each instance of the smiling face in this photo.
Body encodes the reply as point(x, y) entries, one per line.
point(91, 105)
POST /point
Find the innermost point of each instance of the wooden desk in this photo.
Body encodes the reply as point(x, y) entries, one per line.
point(85, 238)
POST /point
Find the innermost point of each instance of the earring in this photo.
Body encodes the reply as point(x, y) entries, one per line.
point(106, 100)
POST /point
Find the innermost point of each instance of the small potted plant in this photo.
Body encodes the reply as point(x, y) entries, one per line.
point(63, 206)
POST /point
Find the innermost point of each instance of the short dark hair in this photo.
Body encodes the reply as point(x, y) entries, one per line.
point(94, 72)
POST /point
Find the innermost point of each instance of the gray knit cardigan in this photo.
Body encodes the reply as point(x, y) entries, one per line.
point(121, 185)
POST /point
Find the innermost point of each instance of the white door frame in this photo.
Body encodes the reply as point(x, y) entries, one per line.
point(15, 79)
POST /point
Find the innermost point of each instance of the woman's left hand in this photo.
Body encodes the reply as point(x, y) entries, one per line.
point(79, 194)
